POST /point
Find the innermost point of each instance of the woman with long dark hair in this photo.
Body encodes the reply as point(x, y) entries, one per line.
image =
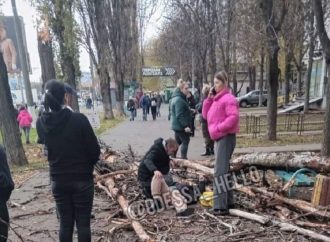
point(221, 111)
point(73, 150)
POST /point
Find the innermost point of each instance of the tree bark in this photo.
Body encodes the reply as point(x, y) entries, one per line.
point(8, 123)
point(272, 30)
point(310, 62)
point(63, 11)
point(102, 46)
point(287, 75)
point(235, 68)
point(261, 81)
point(281, 161)
point(272, 96)
point(325, 42)
point(46, 56)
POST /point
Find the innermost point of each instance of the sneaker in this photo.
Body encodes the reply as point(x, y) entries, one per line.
point(186, 213)
point(219, 212)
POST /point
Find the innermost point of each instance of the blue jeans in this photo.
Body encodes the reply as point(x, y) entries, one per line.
point(26, 131)
point(4, 220)
point(144, 116)
point(74, 202)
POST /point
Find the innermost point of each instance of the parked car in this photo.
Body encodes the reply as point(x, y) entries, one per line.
point(252, 98)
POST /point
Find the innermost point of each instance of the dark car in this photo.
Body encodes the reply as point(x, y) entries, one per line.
point(252, 98)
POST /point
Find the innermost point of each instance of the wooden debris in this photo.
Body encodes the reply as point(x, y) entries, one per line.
point(138, 228)
point(282, 160)
point(299, 204)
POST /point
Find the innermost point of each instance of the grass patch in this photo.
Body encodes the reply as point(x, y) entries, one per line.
point(243, 142)
point(108, 124)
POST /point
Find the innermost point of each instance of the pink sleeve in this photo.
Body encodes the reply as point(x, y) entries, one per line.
point(232, 116)
point(19, 117)
point(206, 107)
point(30, 117)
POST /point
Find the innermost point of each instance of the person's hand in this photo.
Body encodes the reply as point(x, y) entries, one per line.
point(158, 175)
point(172, 163)
point(14, 67)
point(187, 130)
point(211, 93)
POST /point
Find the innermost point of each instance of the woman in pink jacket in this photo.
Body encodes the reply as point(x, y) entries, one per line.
point(221, 111)
point(24, 120)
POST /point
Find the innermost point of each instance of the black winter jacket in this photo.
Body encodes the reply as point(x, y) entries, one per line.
point(6, 182)
point(73, 149)
point(156, 159)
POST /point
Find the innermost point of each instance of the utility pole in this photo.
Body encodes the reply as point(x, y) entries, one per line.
point(22, 55)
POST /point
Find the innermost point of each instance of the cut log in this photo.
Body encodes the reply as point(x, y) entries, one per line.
point(299, 204)
point(306, 232)
point(112, 174)
point(138, 228)
point(282, 225)
point(282, 160)
point(250, 216)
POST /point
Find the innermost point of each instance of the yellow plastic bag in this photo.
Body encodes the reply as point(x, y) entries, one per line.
point(206, 200)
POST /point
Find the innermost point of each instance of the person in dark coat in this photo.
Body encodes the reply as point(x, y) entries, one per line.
point(148, 102)
point(6, 187)
point(154, 166)
point(181, 117)
point(153, 104)
point(73, 150)
point(209, 143)
point(131, 108)
point(192, 105)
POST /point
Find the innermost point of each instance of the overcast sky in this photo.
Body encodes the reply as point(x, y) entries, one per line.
point(29, 15)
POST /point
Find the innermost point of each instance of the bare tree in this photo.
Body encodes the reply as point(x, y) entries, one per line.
point(273, 19)
point(93, 15)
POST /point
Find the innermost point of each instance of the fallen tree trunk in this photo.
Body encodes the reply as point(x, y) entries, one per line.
point(195, 166)
point(138, 228)
point(284, 226)
point(282, 160)
point(299, 204)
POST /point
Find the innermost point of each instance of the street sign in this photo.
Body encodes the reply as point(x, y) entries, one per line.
point(94, 119)
point(158, 71)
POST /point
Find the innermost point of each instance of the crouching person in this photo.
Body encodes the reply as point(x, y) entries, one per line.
point(153, 170)
point(6, 187)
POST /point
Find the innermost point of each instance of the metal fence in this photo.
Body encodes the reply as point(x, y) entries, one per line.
point(299, 123)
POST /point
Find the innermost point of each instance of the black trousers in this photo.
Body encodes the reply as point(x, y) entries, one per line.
point(74, 202)
point(183, 139)
point(4, 220)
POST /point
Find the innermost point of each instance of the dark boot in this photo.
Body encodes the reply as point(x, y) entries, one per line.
point(211, 151)
point(207, 152)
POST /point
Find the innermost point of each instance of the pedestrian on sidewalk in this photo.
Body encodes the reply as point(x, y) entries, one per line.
point(6, 187)
point(159, 103)
point(24, 119)
point(131, 108)
point(153, 102)
point(144, 106)
point(221, 111)
point(209, 143)
point(73, 150)
point(153, 168)
point(181, 116)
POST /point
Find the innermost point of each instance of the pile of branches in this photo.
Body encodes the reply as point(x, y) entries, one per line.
point(259, 214)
